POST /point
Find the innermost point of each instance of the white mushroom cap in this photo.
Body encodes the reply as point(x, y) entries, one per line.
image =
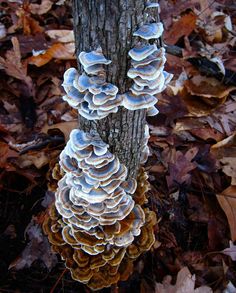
point(168, 77)
point(158, 55)
point(101, 98)
point(104, 172)
point(82, 83)
point(140, 53)
point(150, 31)
point(152, 111)
point(136, 90)
point(129, 186)
point(148, 72)
point(92, 58)
point(133, 102)
point(69, 76)
point(106, 88)
point(139, 83)
point(94, 69)
point(152, 5)
point(73, 101)
point(106, 106)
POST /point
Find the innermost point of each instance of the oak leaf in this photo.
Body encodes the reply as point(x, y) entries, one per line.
point(62, 36)
point(183, 27)
point(38, 248)
point(65, 127)
point(227, 201)
point(58, 51)
point(207, 87)
point(13, 65)
point(185, 283)
point(42, 8)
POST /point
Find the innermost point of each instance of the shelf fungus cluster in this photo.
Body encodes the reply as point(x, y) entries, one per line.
point(99, 223)
point(96, 225)
point(147, 70)
point(89, 93)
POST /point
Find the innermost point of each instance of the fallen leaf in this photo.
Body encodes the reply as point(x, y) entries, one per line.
point(179, 167)
point(38, 248)
point(65, 127)
point(38, 159)
point(42, 8)
point(185, 283)
point(62, 36)
point(58, 51)
point(227, 201)
point(230, 251)
point(225, 148)
point(5, 153)
point(207, 87)
point(183, 27)
point(13, 66)
point(30, 26)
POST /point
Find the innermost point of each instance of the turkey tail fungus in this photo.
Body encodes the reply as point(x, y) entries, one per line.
point(100, 222)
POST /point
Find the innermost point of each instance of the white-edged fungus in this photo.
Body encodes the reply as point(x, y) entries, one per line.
point(147, 69)
point(152, 5)
point(94, 193)
point(133, 102)
point(150, 31)
point(89, 93)
point(93, 58)
point(141, 52)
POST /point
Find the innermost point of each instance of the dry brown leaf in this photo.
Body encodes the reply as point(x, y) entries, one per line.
point(42, 8)
point(58, 51)
point(13, 66)
point(229, 167)
point(30, 26)
point(179, 167)
point(65, 127)
point(207, 87)
point(38, 248)
point(225, 148)
point(231, 251)
point(185, 283)
point(183, 27)
point(38, 159)
point(5, 153)
point(227, 201)
point(62, 36)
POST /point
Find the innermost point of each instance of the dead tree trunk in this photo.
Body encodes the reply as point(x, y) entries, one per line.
point(111, 24)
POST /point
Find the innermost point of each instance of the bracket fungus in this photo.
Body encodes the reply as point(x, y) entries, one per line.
point(95, 224)
point(98, 223)
point(89, 93)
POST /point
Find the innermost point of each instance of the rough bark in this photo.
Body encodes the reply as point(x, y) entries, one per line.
point(110, 24)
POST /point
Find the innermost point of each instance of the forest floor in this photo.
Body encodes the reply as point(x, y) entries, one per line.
point(192, 167)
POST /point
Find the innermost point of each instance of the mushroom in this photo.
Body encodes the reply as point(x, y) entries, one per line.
point(146, 70)
point(135, 102)
point(93, 58)
point(150, 31)
point(92, 96)
point(152, 5)
point(98, 223)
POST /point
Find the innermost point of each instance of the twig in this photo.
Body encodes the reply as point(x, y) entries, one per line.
point(58, 280)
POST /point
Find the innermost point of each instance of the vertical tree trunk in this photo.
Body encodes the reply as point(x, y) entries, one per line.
point(111, 24)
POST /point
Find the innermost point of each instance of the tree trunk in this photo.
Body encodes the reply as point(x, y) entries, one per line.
point(111, 24)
